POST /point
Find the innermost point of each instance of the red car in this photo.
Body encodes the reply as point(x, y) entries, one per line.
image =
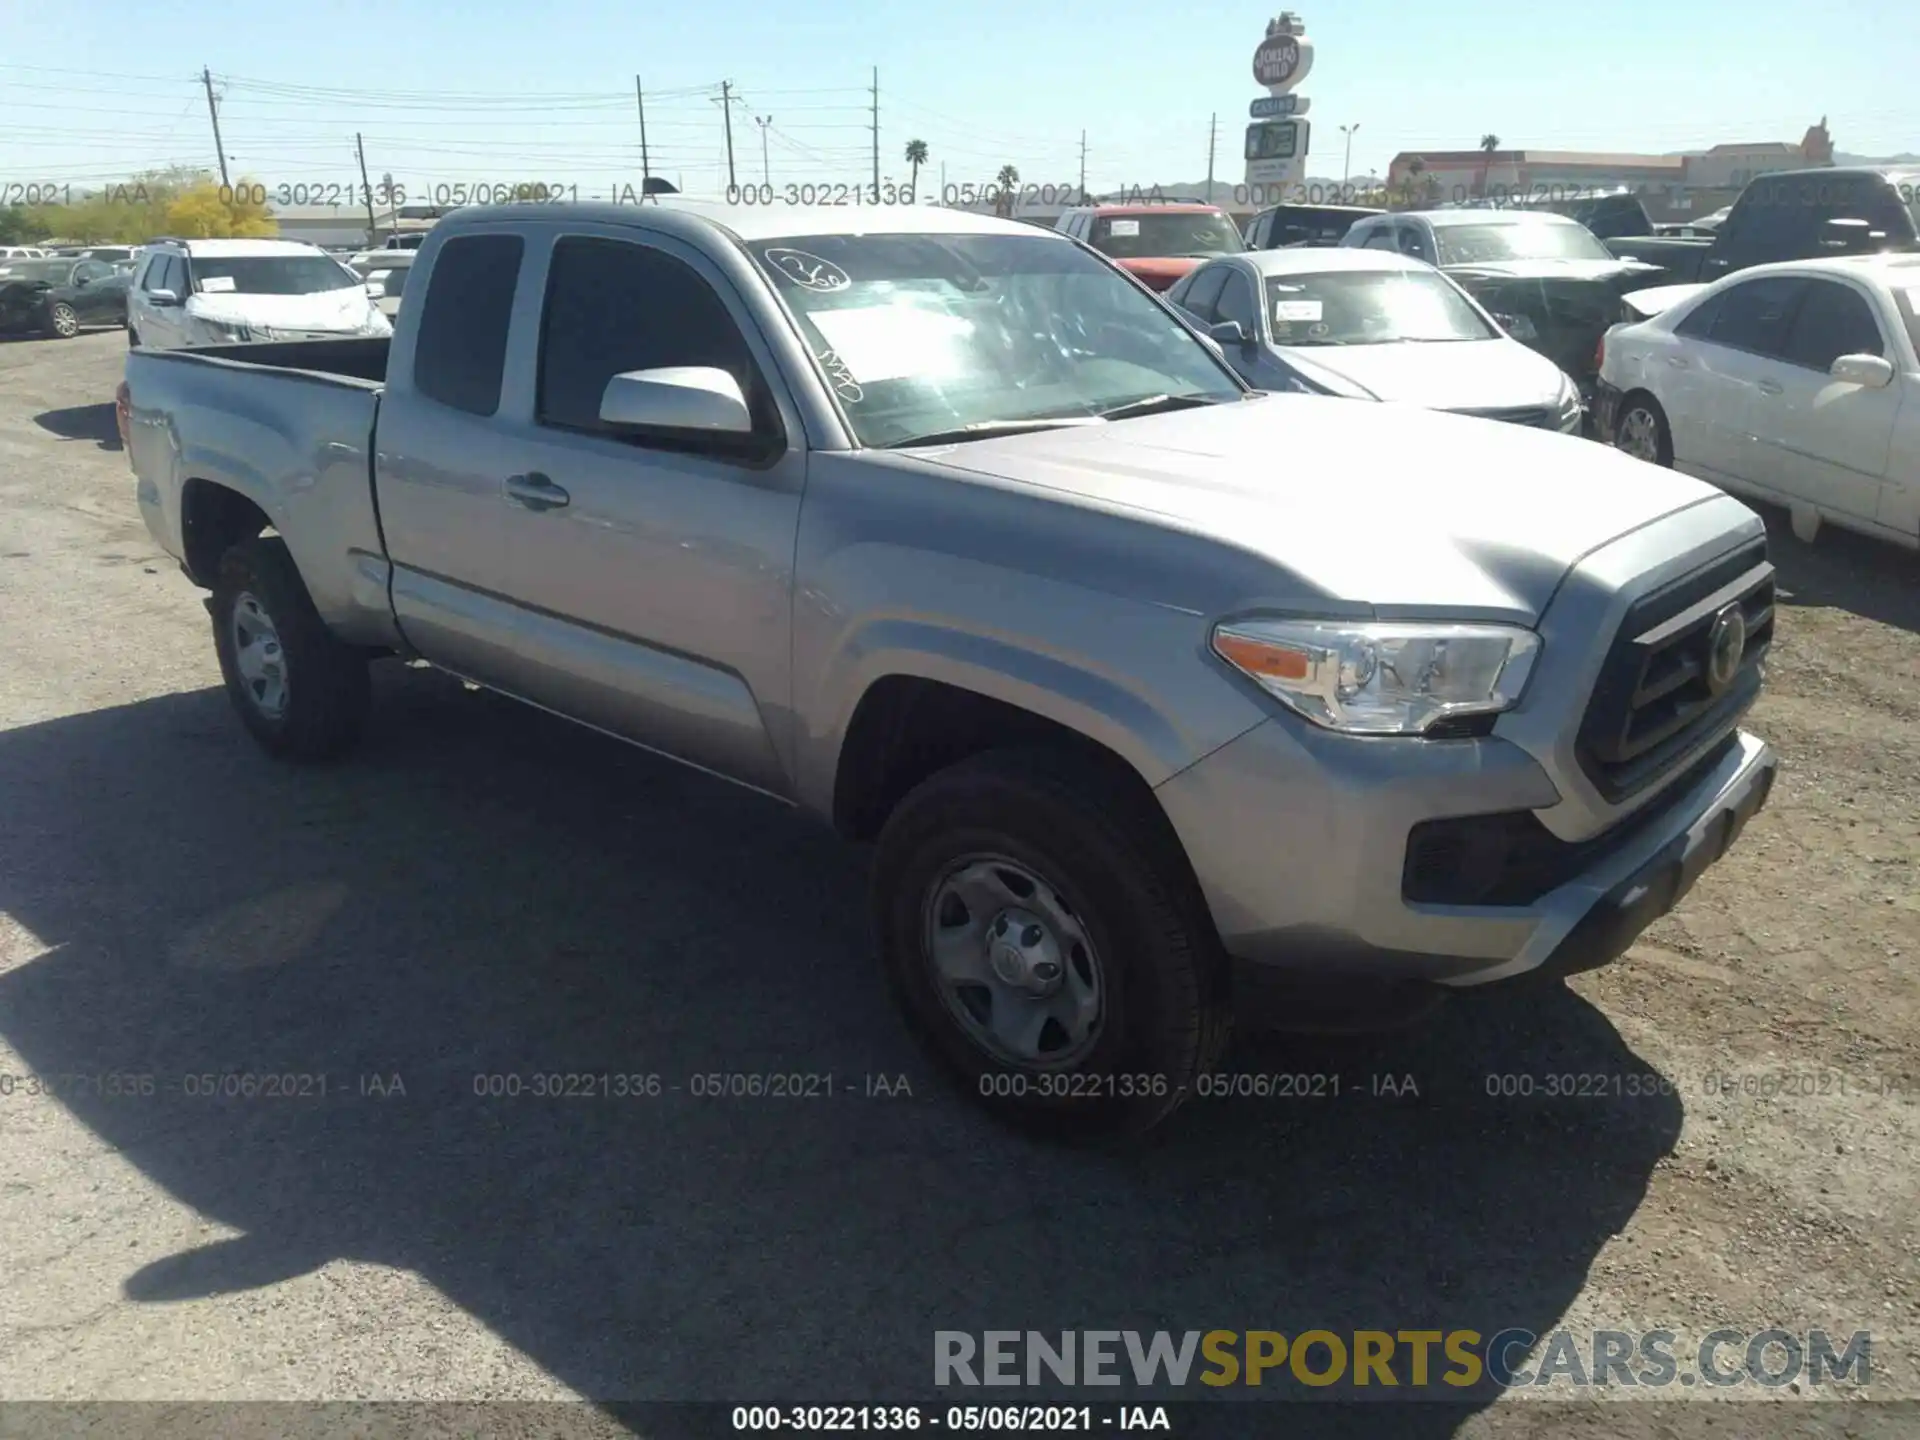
point(1157, 243)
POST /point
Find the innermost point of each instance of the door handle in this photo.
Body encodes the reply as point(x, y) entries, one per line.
point(1769, 387)
point(536, 491)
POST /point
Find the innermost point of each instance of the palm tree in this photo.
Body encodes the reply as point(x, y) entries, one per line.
point(1488, 144)
point(916, 157)
point(1008, 178)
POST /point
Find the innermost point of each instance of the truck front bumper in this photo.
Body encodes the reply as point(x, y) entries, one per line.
point(1309, 845)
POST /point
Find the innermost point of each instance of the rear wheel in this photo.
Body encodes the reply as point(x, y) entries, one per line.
point(302, 693)
point(1047, 945)
point(63, 322)
point(1640, 429)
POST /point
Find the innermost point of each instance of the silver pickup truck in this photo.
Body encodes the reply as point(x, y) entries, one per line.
point(1150, 689)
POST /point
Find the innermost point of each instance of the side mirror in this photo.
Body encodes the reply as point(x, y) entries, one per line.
point(163, 297)
point(1866, 370)
point(376, 289)
point(80, 282)
point(1229, 332)
point(680, 397)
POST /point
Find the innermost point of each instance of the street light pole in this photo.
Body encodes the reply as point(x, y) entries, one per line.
point(1346, 165)
point(766, 168)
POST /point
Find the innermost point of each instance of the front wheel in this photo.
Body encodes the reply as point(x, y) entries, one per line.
point(301, 693)
point(63, 322)
point(1047, 944)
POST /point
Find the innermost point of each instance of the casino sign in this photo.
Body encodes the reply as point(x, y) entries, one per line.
point(1284, 56)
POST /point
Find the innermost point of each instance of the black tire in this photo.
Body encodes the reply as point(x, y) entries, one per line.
point(326, 688)
point(133, 337)
point(63, 321)
point(1165, 1014)
point(1640, 402)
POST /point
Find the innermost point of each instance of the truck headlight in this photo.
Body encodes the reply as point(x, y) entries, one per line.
point(1365, 678)
point(225, 334)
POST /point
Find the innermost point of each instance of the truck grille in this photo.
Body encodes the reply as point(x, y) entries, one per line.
point(1684, 667)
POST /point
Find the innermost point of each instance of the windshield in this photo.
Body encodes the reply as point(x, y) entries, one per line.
point(1159, 237)
point(54, 272)
point(1370, 308)
point(270, 275)
point(923, 334)
point(1517, 240)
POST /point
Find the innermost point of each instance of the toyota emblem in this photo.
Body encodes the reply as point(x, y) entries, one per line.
point(1726, 645)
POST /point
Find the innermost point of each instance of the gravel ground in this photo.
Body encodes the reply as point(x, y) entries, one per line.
point(487, 891)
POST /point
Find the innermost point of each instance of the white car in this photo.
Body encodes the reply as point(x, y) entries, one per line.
point(1372, 325)
point(1796, 383)
point(223, 292)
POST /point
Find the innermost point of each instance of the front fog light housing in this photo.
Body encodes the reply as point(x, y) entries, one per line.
point(1382, 679)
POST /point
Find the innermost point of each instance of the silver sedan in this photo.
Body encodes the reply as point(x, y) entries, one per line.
point(1372, 325)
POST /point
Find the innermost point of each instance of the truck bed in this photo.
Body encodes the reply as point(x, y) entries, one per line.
point(362, 358)
point(287, 425)
point(1679, 255)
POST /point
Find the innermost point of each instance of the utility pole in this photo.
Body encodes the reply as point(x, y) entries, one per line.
point(1083, 167)
point(366, 186)
point(726, 111)
point(1346, 165)
point(213, 110)
point(646, 170)
point(1213, 130)
point(876, 134)
point(766, 168)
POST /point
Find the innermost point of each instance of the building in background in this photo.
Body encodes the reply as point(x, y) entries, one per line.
point(1673, 187)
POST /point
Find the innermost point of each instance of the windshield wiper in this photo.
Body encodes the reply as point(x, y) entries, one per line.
point(1159, 404)
point(989, 429)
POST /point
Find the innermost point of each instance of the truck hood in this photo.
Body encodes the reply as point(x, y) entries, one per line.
point(344, 310)
point(1457, 375)
point(1410, 511)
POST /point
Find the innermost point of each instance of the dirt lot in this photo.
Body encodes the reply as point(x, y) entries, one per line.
point(486, 891)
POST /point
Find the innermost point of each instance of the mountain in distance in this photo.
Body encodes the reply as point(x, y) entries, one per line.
point(1840, 157)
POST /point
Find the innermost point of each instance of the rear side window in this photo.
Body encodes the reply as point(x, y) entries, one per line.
point(615, 306)
point(1756, 316)
point(460, 352)
point(1833, 321)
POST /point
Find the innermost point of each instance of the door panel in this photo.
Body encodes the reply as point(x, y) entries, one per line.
point(1817, 439)
point(656, 602)
point(440, 483)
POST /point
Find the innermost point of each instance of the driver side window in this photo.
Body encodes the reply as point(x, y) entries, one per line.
point(1204, 291)
point(1236, 303)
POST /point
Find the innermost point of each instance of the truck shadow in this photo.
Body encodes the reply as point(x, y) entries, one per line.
point(83, 422)
point(1844, 571)
point(489, 892)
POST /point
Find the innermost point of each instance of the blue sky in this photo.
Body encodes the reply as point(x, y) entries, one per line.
point(489, 91)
